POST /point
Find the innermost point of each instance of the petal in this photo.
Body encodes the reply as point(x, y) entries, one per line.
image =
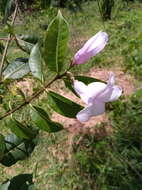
point(94, 89)
point(111, 80)
point(81, 90)
point(116, 93)
point(93, 46)
point(97, 108)
point(79, 87)
point(110, 94)
point(88, 93)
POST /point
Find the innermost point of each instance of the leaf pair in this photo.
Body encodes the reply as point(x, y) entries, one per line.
point(14, 149)
point(22, 66)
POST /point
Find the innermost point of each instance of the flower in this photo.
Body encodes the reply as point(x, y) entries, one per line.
point(95, 95)
point(92, 47)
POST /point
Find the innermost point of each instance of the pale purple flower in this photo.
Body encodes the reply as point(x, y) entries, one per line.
point(95, 95)
point(92, 47)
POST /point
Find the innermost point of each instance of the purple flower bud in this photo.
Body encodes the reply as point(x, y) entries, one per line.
point(92, 47)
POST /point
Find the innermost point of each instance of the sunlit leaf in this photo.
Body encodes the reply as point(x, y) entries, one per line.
point(35, 63)
point(17, 69)
point(43, 122)
point(55, 44)
point(24, 45)
point(62, 105)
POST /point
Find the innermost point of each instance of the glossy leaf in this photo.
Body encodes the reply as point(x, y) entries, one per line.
point(84, 79)
point(87, 80)
point(43, 122)
point(21, 131)
point(24, 45)
point(19, 182)
point(16, 149)
point(35, 63)
point(5, 185)
point(62, 105)
point(55, 44)
point(2, 146)
point(33, 39)
point(17, 69)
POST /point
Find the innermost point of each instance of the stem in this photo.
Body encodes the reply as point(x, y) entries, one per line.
point(34, 96)
point(9, 38)
point(5, 39)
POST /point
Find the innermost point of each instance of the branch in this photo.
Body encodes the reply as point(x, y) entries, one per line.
point(8, 40)
point(34, 96)
point(5, 39)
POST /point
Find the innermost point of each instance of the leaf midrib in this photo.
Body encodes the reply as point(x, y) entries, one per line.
point(57, 46)
point(22, 65)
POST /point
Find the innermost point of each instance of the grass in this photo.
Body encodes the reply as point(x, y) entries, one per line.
point(112, 162)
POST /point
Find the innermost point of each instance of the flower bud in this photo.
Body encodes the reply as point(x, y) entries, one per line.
point(92, 47)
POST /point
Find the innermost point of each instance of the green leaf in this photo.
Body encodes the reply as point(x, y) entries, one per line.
point(21, 131)
point(9, 9)
point(33, 39)
point(43, 122)
point(55, 44)
point(24, 45)
point(19, 182)
point(35, 63)
point(62, 105)
point(1, 47)
point(16, 149)
point(85, 79)
point(17, 69)
point(5, 185)
point(2, 146)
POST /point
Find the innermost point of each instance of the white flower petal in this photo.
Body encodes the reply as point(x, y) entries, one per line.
point(94, 89)
point(111, 92)
point(111, 80)
point(97, 108)
point(81, 89)
point(89, 93)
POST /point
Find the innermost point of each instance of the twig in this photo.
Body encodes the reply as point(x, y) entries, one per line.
point(5, 39)
point(8, 40)
point(34, 96)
